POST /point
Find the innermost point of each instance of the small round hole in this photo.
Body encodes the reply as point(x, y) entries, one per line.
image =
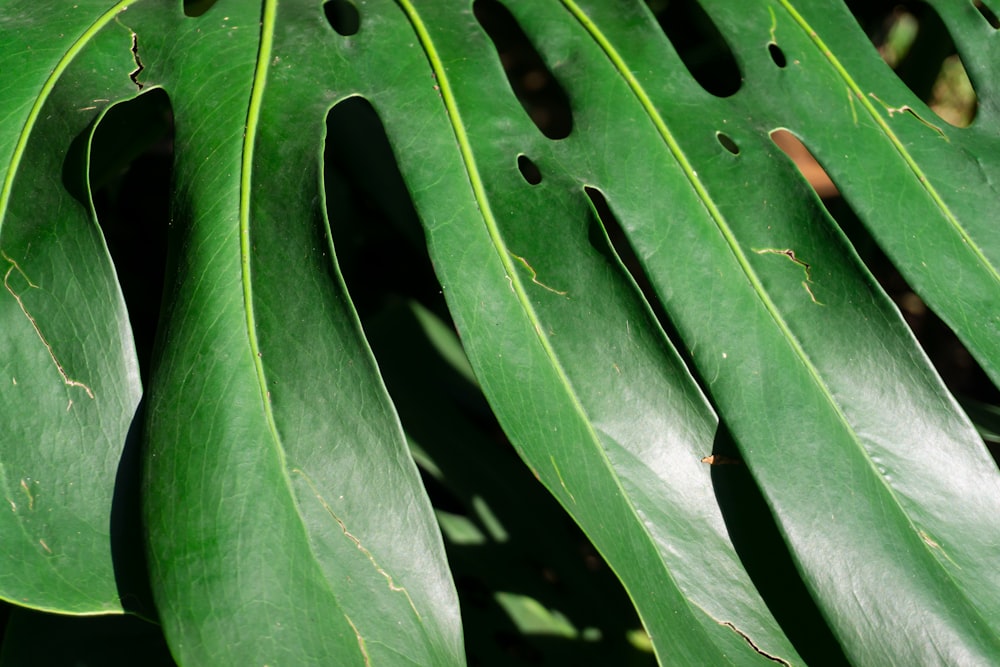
point(777, 55)
point(343, 16)
point(529, 170)
point(727, 143)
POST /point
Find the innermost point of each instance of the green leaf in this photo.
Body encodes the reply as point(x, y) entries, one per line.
point(70, 382)
point(558, 336)
point(680, 342)
point(841, 420)
point(919, 184)
point(265, 404)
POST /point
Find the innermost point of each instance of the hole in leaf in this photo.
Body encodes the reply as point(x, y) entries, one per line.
point(131, 162)
point(536, 88)
point(987, 13)
point(699, 44)
point(806, 163)
point(777, 55)
point(914, 41)
point(343, 16)
point(529, 170)
point(727, 143)
point(195, 8)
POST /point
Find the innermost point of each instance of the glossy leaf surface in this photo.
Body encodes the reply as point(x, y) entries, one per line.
point(71, 382)
point(654, 302)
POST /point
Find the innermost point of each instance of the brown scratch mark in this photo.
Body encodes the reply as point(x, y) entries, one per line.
point(67, 380)
point(45, 546)
point(561, 481)
point(754, 646)
point(790, 254)
point(906, 108)
point(927, 538)
point(721, 460)
point(534, 275)
point(934, 545)
point(27, 492)
point(343, 527)
point(361, 640)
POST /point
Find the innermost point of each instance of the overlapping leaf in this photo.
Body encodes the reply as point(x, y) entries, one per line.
point(285, 519)
point(71, 383)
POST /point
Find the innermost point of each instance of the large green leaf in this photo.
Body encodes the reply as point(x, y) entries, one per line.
point(850, 434)
point(284, 518)
point(835, 410)
point(294, 562)
point(71, 383)
point(629, 471)
point(265, 404)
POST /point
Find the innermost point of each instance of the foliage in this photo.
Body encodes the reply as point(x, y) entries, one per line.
point(679, 341)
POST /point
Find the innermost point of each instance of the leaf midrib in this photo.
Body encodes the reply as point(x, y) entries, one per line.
point(506, 259)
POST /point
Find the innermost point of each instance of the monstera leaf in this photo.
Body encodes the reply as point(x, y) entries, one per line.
point(681, 344)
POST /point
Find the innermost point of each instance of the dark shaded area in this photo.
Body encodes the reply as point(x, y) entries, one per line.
point(727, 142)
point(777, 55)
point(343, 16)
point(516, 543)
point(130, 177)
point(377, 235)
point(128, 549)
point(987, 14)
point(37, 639)
point(537, 89)
point(196, 8)
point(529, 170)
point(699, 44)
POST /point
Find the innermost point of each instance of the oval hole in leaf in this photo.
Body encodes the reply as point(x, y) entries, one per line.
point(536, 88)
point(914, 41)
point(195, 8)
point(529, 170)
point(699, 44)
point(343, 16)
point(806, 163)
point(131, 161)
point(727, 142)
point(987, 13)
point(777, 55)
